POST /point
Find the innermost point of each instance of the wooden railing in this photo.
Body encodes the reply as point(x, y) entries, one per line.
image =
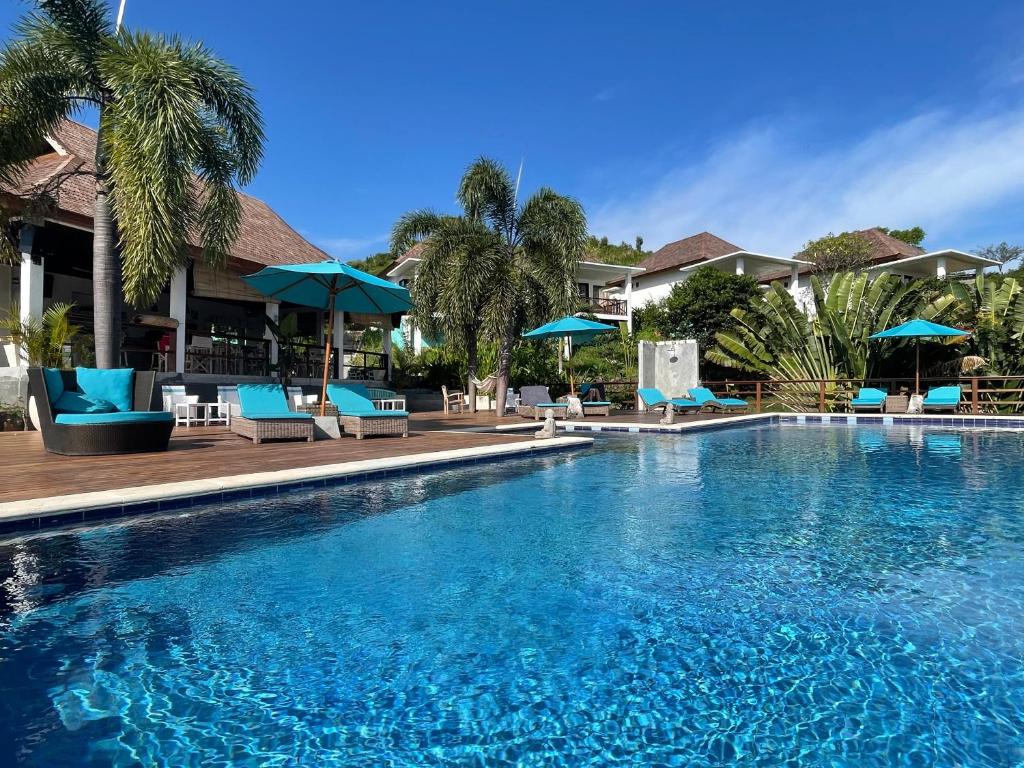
point(981, 394)
point(228, 355)
point(603, 305)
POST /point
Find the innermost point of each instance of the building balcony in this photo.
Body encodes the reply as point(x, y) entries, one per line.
point(600, 305)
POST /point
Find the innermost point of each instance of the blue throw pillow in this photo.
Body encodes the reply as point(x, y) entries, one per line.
point(113, 385)
point(76, 402)
point(54, 384)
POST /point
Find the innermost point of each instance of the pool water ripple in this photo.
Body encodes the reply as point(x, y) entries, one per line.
point(765, 596)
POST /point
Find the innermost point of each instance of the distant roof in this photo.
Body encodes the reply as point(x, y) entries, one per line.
point(263, 238)
point(886, 247)
point(689, 250)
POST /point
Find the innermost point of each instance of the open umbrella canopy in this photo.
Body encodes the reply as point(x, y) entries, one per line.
point(331, 285)
point(578, 329)
point(919, 328)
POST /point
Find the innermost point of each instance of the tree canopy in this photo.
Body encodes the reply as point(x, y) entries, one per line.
point(847, 251)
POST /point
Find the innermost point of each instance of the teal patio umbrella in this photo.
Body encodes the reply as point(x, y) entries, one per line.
point(919, 329)
point(576, 330)
point(333, 287)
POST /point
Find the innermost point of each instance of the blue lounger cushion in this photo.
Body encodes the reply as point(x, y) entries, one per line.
point(654, 397)
point(265, 401)
point(869, 396)
point(276, 415)
point(596, 402)
point(551, 405)
point(115, 417)
point(704, 396)
point(113, 385)
point(351, 403)
point(76, 402)
point(943, 396)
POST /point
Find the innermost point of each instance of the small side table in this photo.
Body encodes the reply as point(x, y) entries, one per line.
point(897, 403)
point(313, 409)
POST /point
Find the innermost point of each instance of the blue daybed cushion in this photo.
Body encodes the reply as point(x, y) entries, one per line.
point(54, 384)
point(351, 403)
point(117, 417)
point(76, 402)
point(596, 402)
point(113, 385)
point(277, 415)
point(266, 401)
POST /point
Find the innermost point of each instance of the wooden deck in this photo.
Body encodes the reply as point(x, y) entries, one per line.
point(199, 453)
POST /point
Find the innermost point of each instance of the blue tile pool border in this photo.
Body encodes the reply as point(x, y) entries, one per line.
point(73, 517)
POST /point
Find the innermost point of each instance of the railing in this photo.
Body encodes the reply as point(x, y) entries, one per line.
point(603, 305)
point(360, 364)
point(298, 360)
point(981, 394)
point(228, 354)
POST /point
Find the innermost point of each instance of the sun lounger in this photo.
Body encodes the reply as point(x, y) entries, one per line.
point(358, 415)
point(652, 397)
point(90, 412)
point(869, 399)
point(264, 415)
point(942, 399)
point(534, 400)
point(706, 399)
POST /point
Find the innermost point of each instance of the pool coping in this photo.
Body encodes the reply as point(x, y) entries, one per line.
point(33, 514)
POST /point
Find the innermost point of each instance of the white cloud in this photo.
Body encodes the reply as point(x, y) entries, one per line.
point(352, 247)
point(765, 189)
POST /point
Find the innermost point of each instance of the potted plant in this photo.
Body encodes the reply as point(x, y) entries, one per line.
point(41, 341)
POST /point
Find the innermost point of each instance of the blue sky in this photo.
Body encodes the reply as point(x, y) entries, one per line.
point(766, 123)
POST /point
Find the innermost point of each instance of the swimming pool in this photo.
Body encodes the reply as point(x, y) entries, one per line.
point(825, 595)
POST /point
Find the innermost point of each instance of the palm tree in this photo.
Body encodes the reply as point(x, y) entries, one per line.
point(178, 128)
point(541, 242)
point(451, 289)
point(499, 266)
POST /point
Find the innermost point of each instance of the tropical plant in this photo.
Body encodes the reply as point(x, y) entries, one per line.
point(993, 309)
point(42, 341)
point(516, 263)
point(776, 339)
point(837, 253)
point(178, 128)
point(451, 289)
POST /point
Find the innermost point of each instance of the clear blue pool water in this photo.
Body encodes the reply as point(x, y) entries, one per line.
point(779, 595)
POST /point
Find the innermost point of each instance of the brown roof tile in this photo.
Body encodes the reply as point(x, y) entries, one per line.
point(263, 238)
point(689, 250)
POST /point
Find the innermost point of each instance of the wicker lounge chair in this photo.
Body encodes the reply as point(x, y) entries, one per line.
point(357, 414)
point(706, 399)
point(131, 428)
point(264, 415)
point(534, 400)
point(653, 398)
point(869, 399)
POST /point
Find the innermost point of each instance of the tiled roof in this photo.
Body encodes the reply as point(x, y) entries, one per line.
point(884, 248)
point(263, 238)
point(689, 250)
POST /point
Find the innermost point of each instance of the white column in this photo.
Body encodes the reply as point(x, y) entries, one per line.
point(740, 266)
point(31, 298)
point(629, 303)
point(273, 310)
point(794, 280)
point(940, 267)
point(339, 342)
point(179, 311)
point(387, 349)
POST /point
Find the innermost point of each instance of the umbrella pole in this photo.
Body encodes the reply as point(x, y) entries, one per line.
point(327, 354)
point(917, 369)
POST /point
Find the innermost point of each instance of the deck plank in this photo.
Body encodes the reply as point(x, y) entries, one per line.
point(200, 453)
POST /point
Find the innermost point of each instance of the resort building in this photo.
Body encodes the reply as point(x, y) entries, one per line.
point(207, 323)
point(598, 285)
point(675, 262)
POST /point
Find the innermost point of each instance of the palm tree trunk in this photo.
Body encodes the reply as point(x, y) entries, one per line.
point(504, 366)
point(471, 357)
point(106, 269)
